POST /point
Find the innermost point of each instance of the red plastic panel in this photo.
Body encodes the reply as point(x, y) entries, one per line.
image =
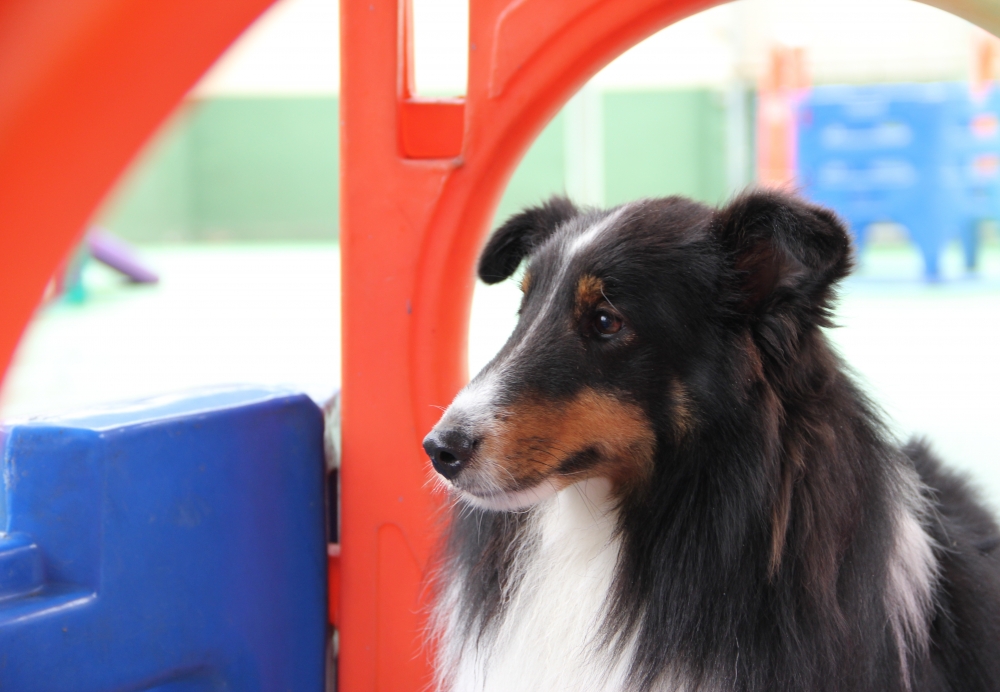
point(431, 129)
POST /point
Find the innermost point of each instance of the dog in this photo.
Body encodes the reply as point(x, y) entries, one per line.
point(666, 480)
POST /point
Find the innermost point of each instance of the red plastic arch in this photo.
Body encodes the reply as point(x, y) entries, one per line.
point(84, 82)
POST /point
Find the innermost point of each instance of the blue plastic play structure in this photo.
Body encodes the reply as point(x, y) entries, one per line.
point(926, 156)
point(176, 545)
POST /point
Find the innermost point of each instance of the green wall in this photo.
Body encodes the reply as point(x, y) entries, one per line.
point(241, 168)
point(153, 201)
point(541, 173)
point(664, 143)
point(267, 168)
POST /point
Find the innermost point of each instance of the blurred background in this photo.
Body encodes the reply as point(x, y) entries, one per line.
point(215, 259)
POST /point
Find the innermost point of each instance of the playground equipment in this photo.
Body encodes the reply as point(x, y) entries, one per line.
point(926, 156)
point(174, 545)
point(110, 251)
point(84, 82)
point(878, 153)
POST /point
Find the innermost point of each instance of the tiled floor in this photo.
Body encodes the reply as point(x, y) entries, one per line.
point(929, 354)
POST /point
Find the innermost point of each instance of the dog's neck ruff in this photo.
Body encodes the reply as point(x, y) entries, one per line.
point(547, 636)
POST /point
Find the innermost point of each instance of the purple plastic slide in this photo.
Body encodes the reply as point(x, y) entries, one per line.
point(118, 255)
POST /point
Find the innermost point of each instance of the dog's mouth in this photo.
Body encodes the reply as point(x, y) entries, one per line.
point(491, 485)
point(507, 500)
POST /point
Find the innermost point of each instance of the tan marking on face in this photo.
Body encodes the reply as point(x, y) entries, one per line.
point(589, 292)
point(533, 436)
point(684, 418)
point(525, 282)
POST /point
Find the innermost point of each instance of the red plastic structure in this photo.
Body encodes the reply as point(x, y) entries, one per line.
point(84, 82)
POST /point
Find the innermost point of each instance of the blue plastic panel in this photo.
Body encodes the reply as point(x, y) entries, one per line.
point(926, 156)
point(175, 545)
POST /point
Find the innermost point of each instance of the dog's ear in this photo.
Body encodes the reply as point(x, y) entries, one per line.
point(521, 234)
point(787, 255)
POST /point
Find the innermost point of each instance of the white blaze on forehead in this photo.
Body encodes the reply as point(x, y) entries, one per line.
point(550, 310)
point(595, 231)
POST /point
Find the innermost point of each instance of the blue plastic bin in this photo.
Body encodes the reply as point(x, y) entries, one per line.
point(176, 545)
point(926, 156)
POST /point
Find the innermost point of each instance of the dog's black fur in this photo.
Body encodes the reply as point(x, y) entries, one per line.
point(756, 545)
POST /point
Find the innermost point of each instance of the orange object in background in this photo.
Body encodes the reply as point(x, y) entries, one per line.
point(985, 69)
point(83, 83)
point(779, 92)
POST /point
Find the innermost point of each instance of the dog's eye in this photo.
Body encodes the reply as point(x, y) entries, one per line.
point(607, 323)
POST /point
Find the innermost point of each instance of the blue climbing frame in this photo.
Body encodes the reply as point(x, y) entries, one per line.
point(926, 156)
point(172, 546)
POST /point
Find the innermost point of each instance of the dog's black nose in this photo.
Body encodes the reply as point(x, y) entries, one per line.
point(449, 451)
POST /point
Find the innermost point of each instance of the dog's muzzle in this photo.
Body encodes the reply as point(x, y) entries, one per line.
point(449, 450)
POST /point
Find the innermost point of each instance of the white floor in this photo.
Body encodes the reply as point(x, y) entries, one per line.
point(929, 354)
point(220, 315)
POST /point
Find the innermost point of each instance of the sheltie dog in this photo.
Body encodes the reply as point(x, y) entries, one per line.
point(666, 480)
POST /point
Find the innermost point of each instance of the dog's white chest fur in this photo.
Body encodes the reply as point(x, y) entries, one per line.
point(546, 639)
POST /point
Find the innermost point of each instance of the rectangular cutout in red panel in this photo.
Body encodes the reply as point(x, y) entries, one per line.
point(431, 128)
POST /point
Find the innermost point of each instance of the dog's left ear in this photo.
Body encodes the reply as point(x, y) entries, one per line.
point(787, 255)
point(521, 234)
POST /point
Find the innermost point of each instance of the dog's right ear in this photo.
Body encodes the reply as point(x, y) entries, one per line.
point(521, 234)
point(788, 254)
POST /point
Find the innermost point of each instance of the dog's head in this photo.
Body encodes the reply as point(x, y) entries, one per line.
point(635, 327)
